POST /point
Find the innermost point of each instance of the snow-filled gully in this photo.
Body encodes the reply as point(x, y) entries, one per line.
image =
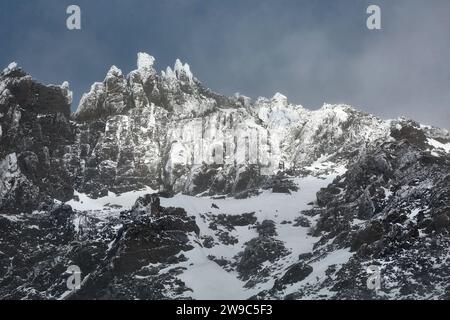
point(205, 277)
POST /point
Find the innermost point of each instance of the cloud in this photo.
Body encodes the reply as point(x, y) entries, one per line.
point(405, 70)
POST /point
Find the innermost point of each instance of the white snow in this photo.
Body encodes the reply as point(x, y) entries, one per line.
point(280, 99)
point(12, 217)
point(145, 65)
point(182, 69)
point(12, 66)
point(9, 174)
point(145, 61)
point(336, 258)
point(125, 200)
point(114, 72)
point(208, 280)
point(69, 93)
point(414, 213)
point(439, 145)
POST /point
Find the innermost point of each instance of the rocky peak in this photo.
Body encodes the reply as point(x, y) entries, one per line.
point(181, 72)
point(19, 88)
point(280, 99)
point(34, 134)
point(145, 61)
point(114, 72)
point(145, 66)
point(104, 98)
point(175, 90)
point(10, 68)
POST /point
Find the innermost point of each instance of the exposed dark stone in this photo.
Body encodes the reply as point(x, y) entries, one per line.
point(410, 133)
point(441, 222)
point(305, 256)
point(35, 134)
point(257, 251)
point(266, 228)
point(325, 195)
point(302, 222)
point(369, 235)
point(294, 274)
point(208, 242)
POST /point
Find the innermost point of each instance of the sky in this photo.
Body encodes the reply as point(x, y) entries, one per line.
point(312, 51)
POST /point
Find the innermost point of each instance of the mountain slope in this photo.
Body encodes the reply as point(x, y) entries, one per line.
point(159, 188)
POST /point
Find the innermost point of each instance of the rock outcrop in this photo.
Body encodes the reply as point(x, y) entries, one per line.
point(35, 135)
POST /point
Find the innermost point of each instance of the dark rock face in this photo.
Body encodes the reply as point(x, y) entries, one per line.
point(401, 194)
point(146, 238)
point(401, 169)
point(295, 273)
point(35, 138)
point(373, 232)
point(257, 251)
point(35, 97)
point(281, 183)
point(145, 241)
point(36, 250)
point(264, 248)
point(231, 221)
point(44, 245)
point(411, 133)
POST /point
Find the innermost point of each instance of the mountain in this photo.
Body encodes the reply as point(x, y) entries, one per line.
point(159, 188)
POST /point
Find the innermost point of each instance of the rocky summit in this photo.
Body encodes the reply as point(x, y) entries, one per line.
point(159, 188)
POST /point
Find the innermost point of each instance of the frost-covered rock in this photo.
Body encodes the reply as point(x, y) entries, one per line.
point(168, 127)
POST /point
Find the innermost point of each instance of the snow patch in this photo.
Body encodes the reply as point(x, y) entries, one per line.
point(11, 67)
point(145, 61)
point(439, 145)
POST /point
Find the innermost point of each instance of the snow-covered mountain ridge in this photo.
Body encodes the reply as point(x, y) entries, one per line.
point(159, 188)
point(190, 139)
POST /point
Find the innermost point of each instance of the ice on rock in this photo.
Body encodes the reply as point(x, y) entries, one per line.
point(9, 173)
point(145, 65)
point(277, 112)
point(11, 67)
point(339, 111)
point(182, 71)
point(68, 92)
point(114, 72)
point(168, 74)
point(246, 101)
point(279, 99)
point(105, 97)
point(145, 61)
point(88, 100)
